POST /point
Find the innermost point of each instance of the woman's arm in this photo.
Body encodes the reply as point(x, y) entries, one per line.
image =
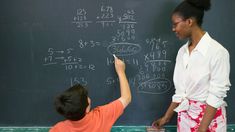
point(167, 117)
point(207, 118)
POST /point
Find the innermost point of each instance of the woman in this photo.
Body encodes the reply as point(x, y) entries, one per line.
point(201, 75)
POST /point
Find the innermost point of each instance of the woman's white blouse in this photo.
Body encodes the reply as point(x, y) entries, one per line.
point(202, 75)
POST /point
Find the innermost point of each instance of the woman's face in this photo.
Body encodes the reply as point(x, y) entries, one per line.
point(180, 26)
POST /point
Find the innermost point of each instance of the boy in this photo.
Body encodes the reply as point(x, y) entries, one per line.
point(74, 104)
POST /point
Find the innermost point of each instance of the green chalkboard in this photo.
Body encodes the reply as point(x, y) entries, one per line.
point(47, 46)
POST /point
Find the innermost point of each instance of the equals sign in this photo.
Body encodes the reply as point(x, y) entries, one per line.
point(135, 62)
point(59, 58)
point(60, 51)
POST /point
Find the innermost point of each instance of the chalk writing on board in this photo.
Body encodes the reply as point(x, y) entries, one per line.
point(112, 80)
point(66, 59)
point(81, 80)
point(152, 77)
point(106, 17)
point(155, 86)
point(156, 44)
point(80, 19)
point(153, 55)
point(88, 44)
point(123, 49)
point(125, 33)
point(56, 55)
point(128, 17)
point(131, 61)
point(151, 67)
point(74, 66)
point(152, 83)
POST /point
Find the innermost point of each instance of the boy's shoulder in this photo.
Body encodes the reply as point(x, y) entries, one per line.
point(58, 127)
point(114, 104)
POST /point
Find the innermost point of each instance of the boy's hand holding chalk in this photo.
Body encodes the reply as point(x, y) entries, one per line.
point(119, 65)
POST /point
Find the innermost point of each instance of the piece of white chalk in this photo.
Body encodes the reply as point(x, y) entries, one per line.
point(151, 129)
point(114, 56)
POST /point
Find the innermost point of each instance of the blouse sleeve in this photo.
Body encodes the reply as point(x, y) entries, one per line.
point(219, 82)
point(179, 90)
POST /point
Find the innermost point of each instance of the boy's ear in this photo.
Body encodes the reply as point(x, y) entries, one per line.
point(89, 105)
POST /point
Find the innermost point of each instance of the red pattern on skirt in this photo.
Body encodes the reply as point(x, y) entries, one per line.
point(189, 121)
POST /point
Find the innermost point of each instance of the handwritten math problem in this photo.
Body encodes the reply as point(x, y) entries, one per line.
point(148, 56)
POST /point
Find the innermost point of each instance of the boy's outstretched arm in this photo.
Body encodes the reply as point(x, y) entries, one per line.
point(124, 85)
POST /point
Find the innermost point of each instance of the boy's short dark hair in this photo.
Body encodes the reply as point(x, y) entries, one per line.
point(72, 103)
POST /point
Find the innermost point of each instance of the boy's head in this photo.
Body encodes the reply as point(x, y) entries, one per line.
point(72, 103)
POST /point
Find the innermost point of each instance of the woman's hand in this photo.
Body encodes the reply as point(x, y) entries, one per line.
point(160, 122)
